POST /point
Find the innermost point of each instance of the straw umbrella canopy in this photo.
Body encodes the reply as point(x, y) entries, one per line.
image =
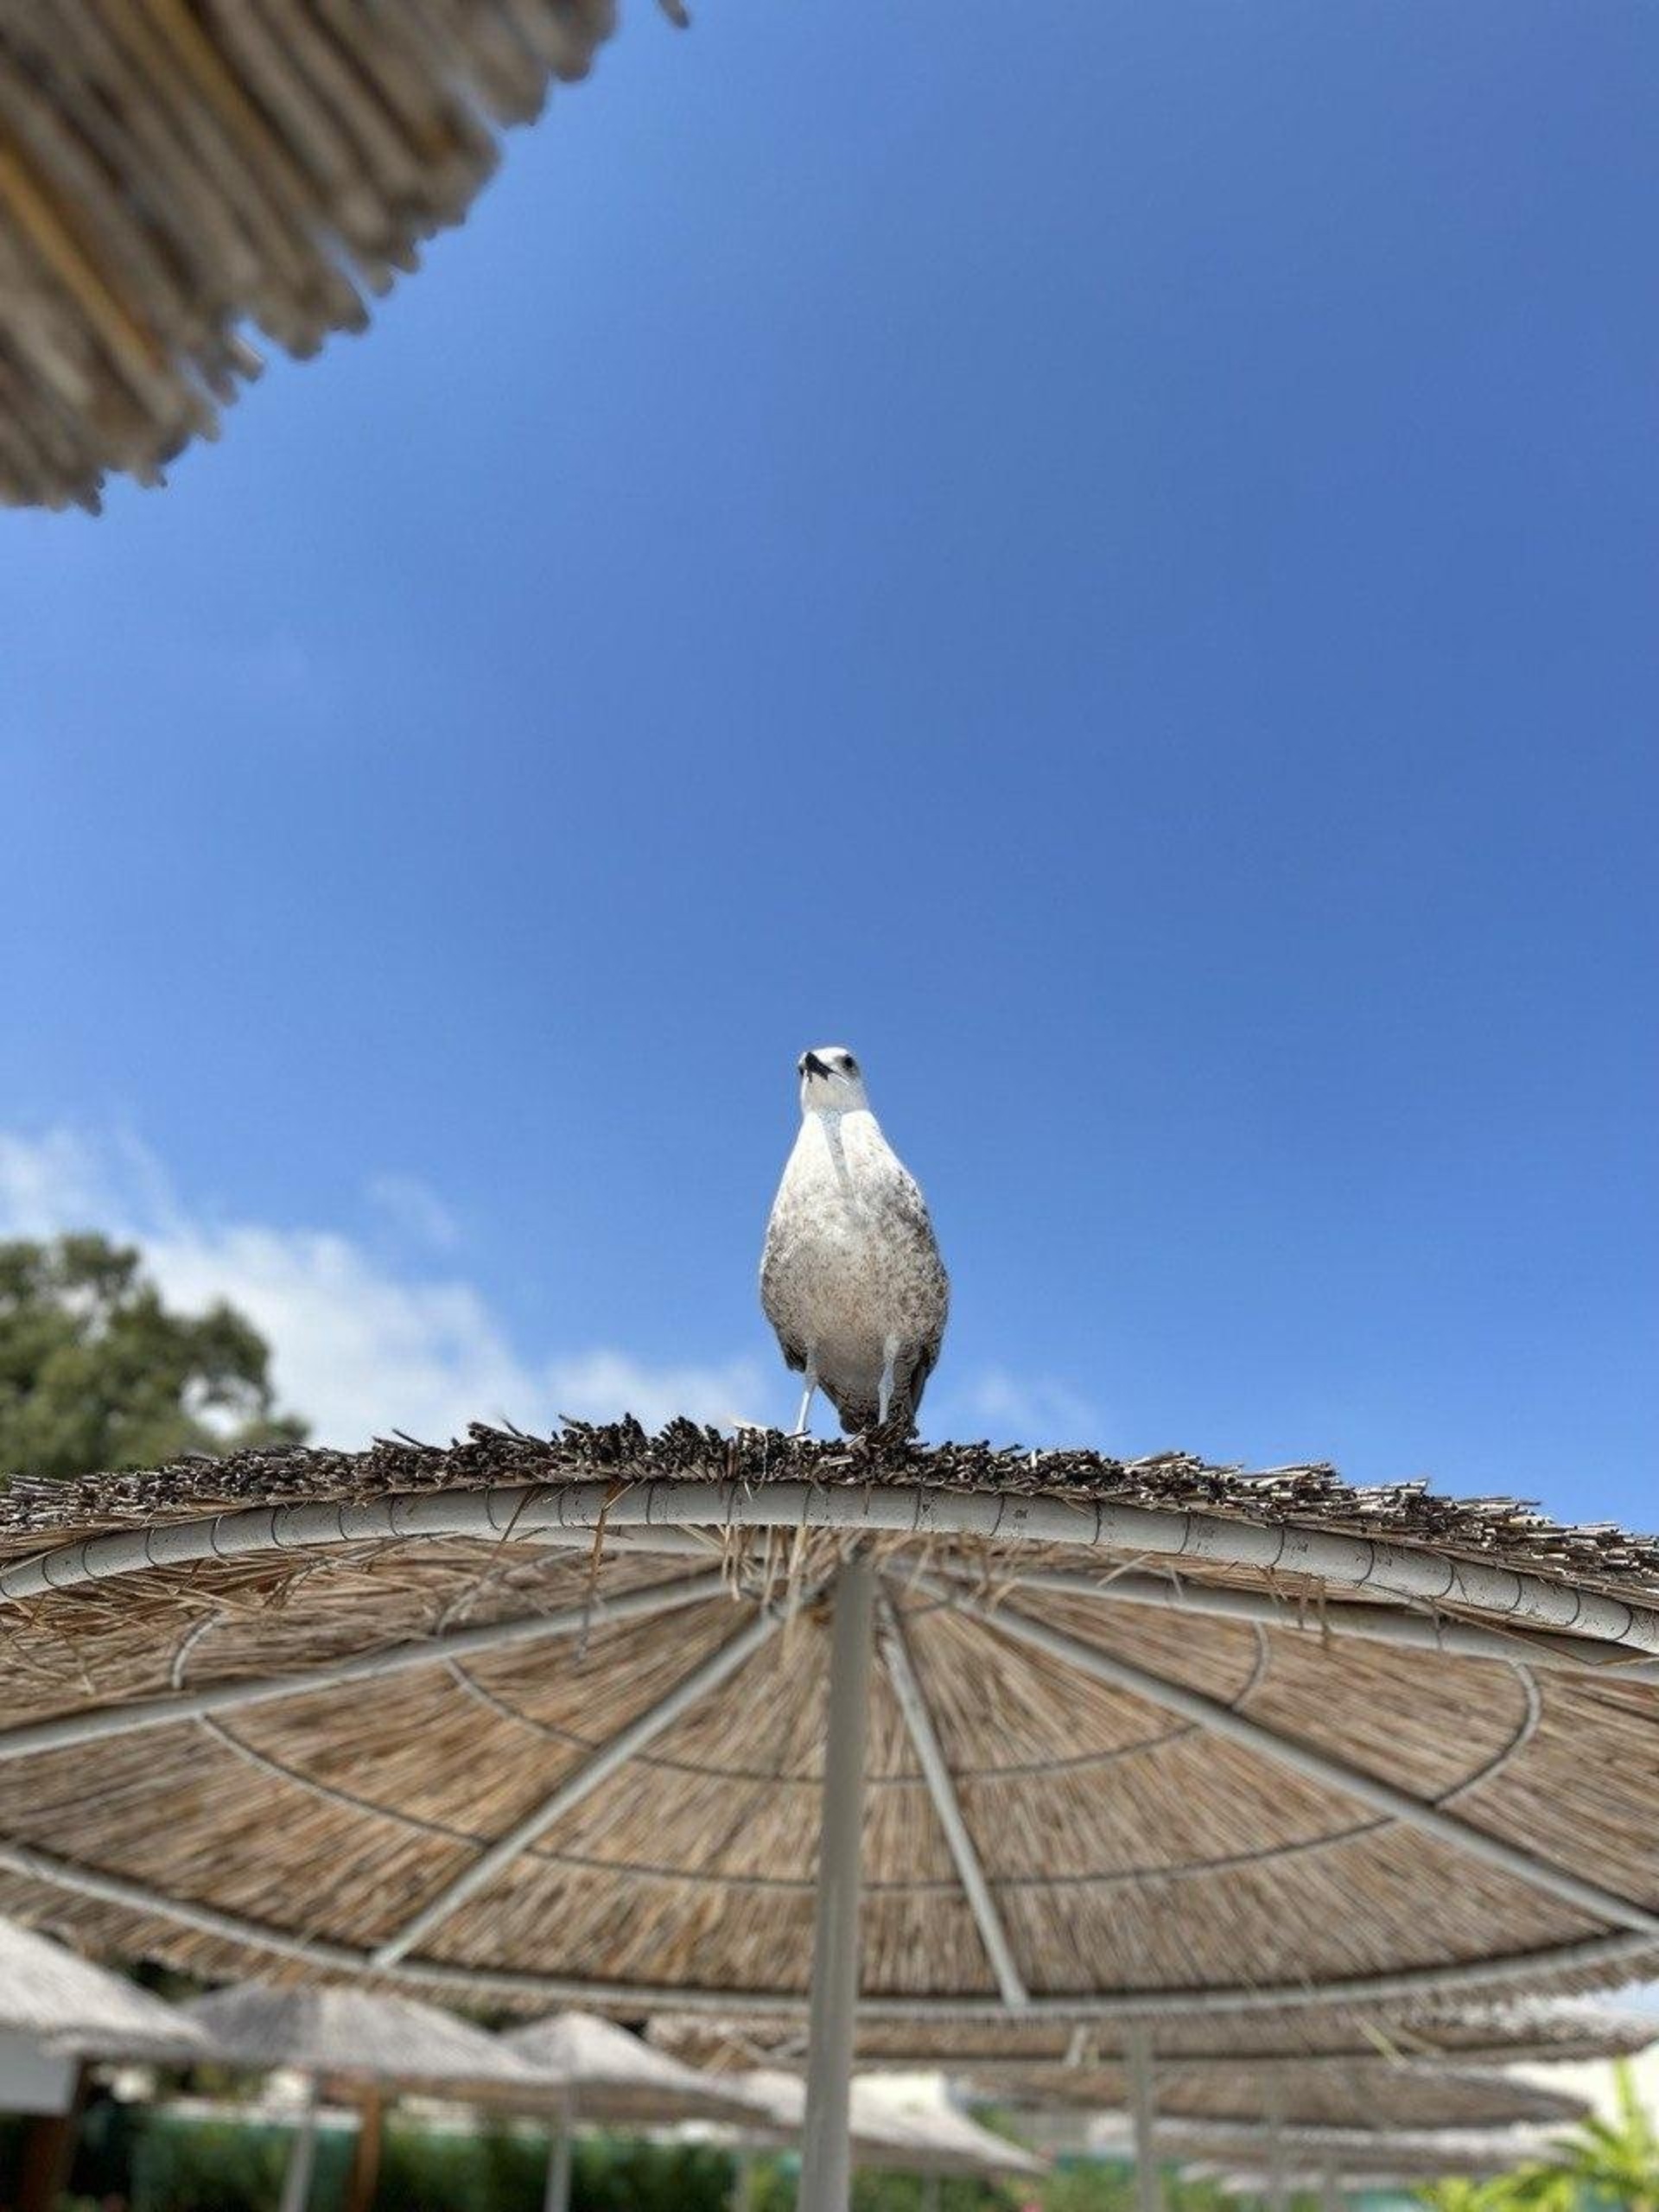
point(1387, 2155)
point(646, 1724)
point(944, 2142)
point(359, 2042)
point(931, 2142)
point(58, 2012)
point(1471, 2157)
point(169, 175)
point(73, 2009)
point(588, 2068)
point(1535, 2029)
point(1353, 2093)
point(1329, 2068)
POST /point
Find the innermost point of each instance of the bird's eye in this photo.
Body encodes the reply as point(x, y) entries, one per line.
point(849, 1063)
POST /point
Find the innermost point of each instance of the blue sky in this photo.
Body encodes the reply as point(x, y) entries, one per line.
point(1105, 557)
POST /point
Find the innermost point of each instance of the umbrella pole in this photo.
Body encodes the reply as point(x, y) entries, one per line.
point(1331, 2188)
point(742, 2180)
point(932, 2193)
point(302, 2154)
point(555, 2197)
point(826, 2160)
point(1278, 2194)
point(1148, 2184)
point(365, 2154)
point(49, 2150)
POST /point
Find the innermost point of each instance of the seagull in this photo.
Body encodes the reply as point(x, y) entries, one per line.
point(851, 1278)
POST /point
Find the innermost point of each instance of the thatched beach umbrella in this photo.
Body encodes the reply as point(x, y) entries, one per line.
point(1535, 2029)
point(1358, 2098)
point(168, 175)
point(646, 1725)
point(933, 2142)
point(57, 2013)
point(358, 2042)
point(75, 2010)
point(1386, 2167)
point(1327, 2068)
point(586, 2069)
point(1366, 2093)
point(1326, 2158)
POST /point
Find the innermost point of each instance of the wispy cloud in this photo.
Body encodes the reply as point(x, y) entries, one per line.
point(357, 1347)
point(414, 1211)
point(1026, 1410)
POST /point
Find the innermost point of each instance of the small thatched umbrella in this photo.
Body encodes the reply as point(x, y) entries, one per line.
point(587, 2069)
point(57, 2013)
point(933, 2143)
point(361, 2043)
point(1358, 2099)
point(1333, 2159)
point(1329, 2068)
point(1471, 2157)
point(171, 174)
point(644, 1724)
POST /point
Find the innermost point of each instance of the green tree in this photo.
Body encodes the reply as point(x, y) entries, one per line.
point(1618, 2158)
point(97, 1374)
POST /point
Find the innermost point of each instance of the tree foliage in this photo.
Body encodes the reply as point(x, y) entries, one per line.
point(97, 1373)
point(1602, 2162)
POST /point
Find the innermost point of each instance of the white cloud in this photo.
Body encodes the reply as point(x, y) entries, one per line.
point(414, 1211)
point(357, 1348)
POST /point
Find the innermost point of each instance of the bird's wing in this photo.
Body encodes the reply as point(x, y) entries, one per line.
point(771, 1298)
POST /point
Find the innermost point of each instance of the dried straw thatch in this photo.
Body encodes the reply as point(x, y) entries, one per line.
point(172, 172)
point(600, 2072)
point(1540, 2029)
point(543, 1721)
point(933, 2141)
point(1387, 2155)
point(76, 2010)
point(352, 2037)
point(1366, 2095)
point(1473, 2157)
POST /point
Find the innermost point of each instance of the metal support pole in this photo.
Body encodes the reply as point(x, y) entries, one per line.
point(557, 2195)
point(932, 2193)
point(1331, 2188)
point(1149, 2185)
point(826, 2158)
point(1278, 2188)
point(302, 2155)
point(742, 2180)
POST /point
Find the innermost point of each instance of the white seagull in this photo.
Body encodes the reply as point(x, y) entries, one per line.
point(851, 1278)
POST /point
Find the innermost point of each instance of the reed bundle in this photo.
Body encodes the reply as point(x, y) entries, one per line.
point(610, 1797)
point(173, 170)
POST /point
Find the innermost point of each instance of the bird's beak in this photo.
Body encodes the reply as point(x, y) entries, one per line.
point(812, 1064)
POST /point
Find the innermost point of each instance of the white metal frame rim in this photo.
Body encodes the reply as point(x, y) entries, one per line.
point(1401, 1570)
point(1371, 1620)
point(1590, 1954)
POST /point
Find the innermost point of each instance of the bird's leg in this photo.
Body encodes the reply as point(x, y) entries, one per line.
point(799, 1428)
point(890, 1354)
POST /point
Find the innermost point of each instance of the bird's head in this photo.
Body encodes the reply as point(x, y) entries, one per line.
point(831, 1080)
